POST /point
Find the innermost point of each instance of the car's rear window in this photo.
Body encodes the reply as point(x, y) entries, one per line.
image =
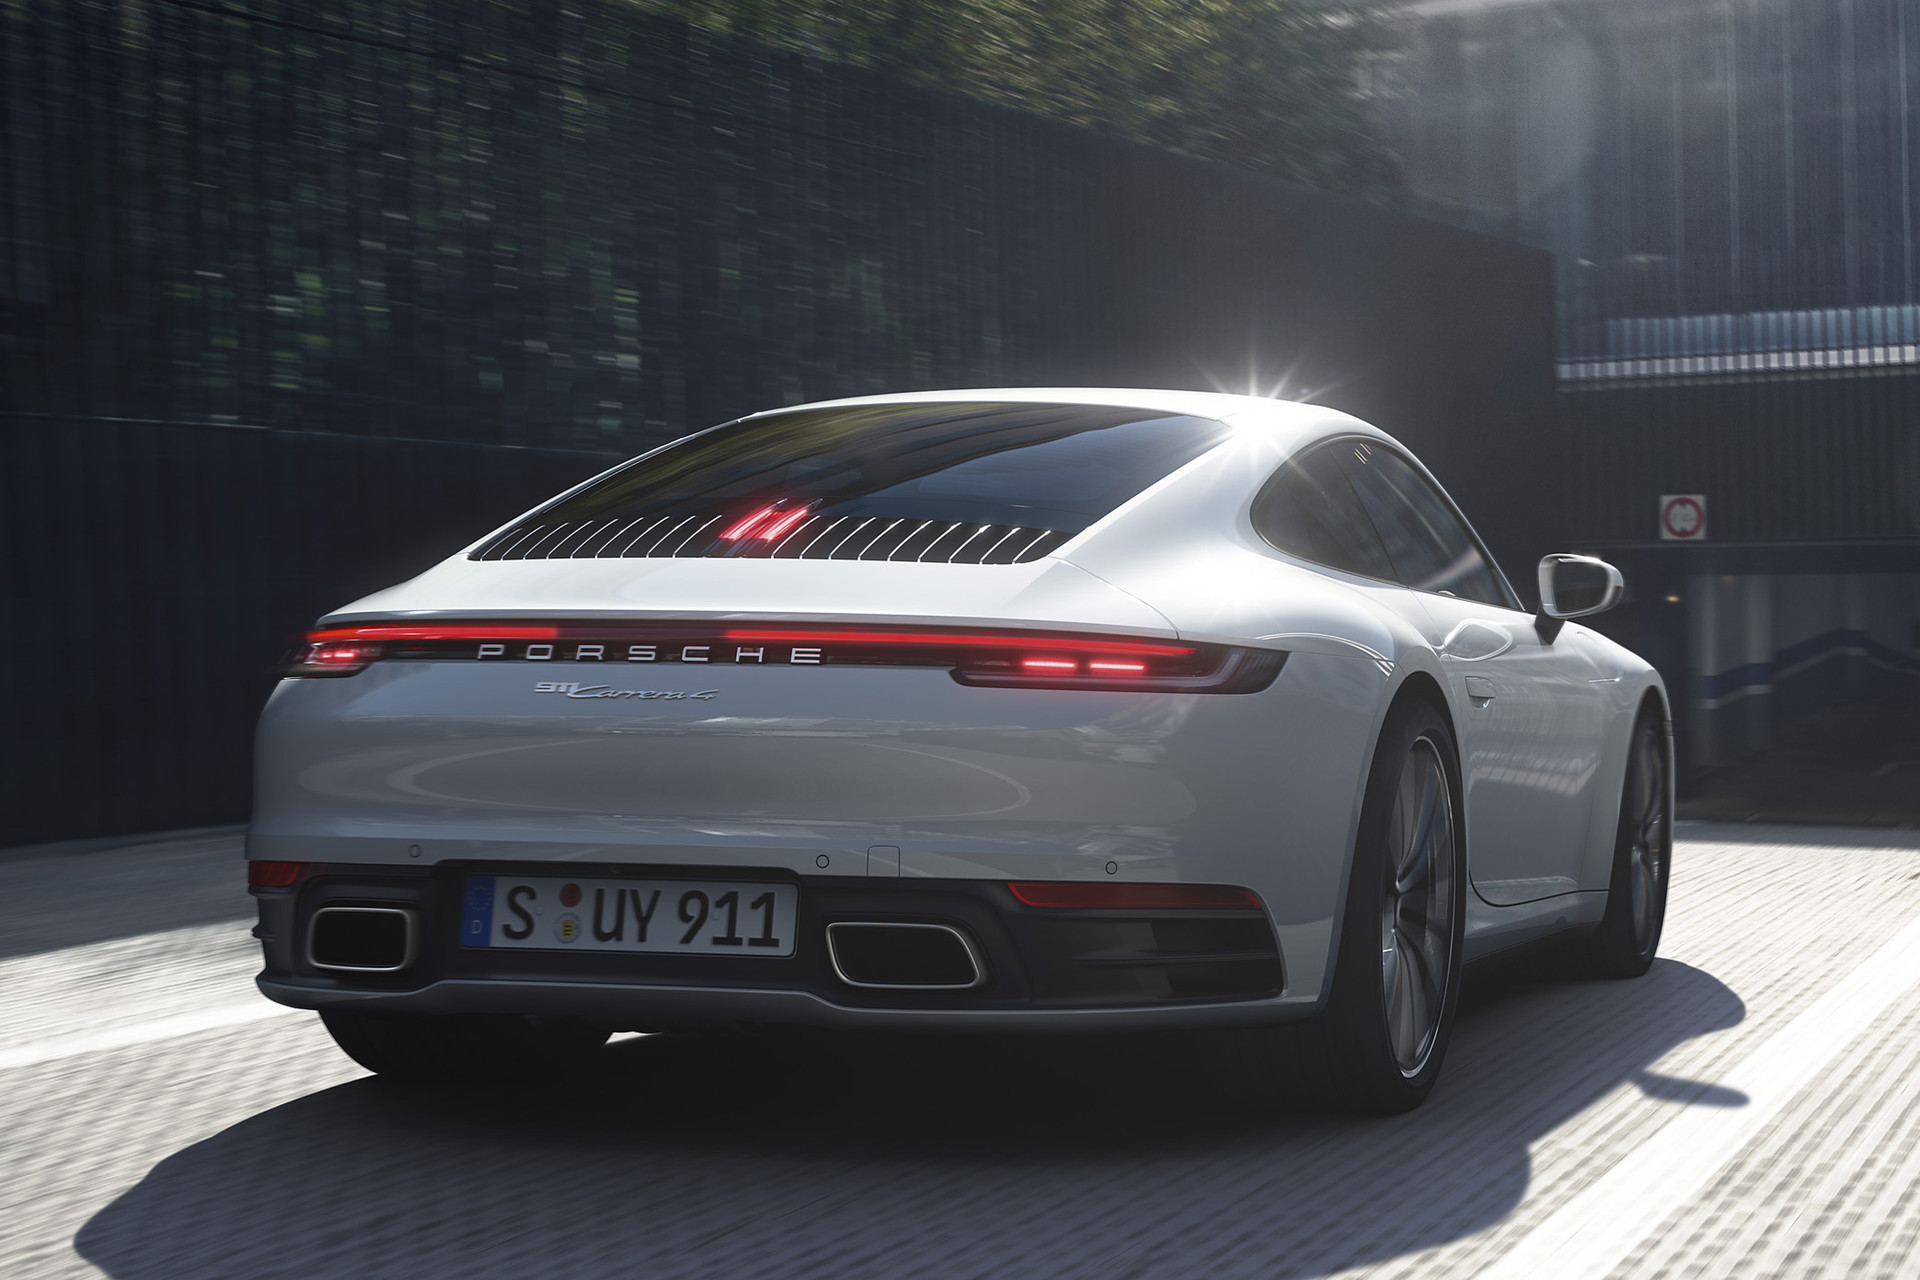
point(965, 481)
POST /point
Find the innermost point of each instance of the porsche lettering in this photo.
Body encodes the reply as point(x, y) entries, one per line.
point(760, 654)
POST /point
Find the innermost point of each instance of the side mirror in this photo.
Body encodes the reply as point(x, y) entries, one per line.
point(1576, 586)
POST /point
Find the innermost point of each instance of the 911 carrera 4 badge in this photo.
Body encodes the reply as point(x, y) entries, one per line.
point(574, 689)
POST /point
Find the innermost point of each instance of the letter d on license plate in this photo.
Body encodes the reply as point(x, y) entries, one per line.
point(701, 917)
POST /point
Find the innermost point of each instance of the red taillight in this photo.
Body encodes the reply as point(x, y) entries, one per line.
point(978, 640)
point(1037, 660)
point(425, 631)
point(346, 651)
point(1199, 669)
point(1092, 895)
point(334, 658)
point(334, 653)
point(276, 875)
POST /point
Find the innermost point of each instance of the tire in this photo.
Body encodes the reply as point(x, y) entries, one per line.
point(463, 1048)
point(1377, 1045)
point(1629, 934)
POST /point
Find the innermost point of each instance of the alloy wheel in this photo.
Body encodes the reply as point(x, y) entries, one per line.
point(1417, 907)
point(1647, 854)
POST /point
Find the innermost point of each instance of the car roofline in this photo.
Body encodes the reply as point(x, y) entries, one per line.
point(1295, 423)
point(1199, 404)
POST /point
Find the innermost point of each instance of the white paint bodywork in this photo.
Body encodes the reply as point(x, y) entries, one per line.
point(784, 767)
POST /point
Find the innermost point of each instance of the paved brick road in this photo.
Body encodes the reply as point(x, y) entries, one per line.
point(1750, 1108)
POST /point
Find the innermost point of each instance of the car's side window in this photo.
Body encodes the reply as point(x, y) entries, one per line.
point(1309, 510)
point(1431, 550)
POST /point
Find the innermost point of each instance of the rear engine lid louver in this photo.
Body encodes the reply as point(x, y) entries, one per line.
point(814, 537)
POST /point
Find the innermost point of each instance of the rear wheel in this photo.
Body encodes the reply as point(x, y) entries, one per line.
point(1377, 1045)
point(1629, 934)
point(463, 1047)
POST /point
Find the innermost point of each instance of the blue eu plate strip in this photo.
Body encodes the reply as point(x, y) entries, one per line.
point(476, 922)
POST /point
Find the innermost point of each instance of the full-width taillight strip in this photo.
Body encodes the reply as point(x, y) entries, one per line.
point(961, 640)
point(822, 636)
point(414, 632)
point(982, 657)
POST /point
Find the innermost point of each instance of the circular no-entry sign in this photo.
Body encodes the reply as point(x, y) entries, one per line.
point(1683, 517)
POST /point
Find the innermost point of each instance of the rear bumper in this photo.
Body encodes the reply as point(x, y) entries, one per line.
point(1045, 969)
point(629, 1006)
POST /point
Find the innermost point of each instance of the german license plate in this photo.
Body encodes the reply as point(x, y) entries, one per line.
point(678, 917)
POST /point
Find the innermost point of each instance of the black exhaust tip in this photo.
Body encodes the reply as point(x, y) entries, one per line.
point(921, 957)
point(361, 939)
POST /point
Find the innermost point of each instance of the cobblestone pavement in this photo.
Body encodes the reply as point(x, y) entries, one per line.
point(1750, 1108)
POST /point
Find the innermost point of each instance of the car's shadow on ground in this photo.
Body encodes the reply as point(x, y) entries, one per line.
point(784, 1156)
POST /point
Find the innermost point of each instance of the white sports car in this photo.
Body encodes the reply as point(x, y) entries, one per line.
point(975, 709)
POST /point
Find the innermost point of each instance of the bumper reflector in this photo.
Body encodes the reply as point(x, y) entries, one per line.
point(276, 875)
point(1132, 897)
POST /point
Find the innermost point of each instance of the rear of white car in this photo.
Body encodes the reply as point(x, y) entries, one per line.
point(809, 729)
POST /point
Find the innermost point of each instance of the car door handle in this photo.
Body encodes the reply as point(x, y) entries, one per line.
point(1480, 690)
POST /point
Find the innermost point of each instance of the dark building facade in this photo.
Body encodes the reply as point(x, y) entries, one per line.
point(1728, 188)
point(296, 300)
